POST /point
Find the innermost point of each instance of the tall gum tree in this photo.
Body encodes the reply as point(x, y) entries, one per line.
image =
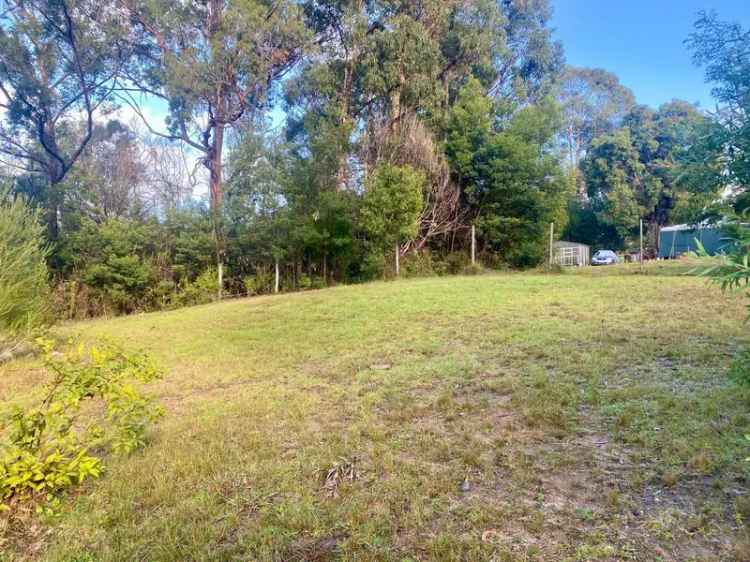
point(593, 103)
point(60, 61)
point(214, 62)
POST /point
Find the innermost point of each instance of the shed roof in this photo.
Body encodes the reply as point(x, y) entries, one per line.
point(568, 244)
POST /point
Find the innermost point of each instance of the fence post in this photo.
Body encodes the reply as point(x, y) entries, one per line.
point(551, 242)
point(276, 281)
point(398, 266)
point(473, 245)
point(640, 256)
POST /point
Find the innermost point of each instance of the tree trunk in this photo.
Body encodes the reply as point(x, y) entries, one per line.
point(652, 236)
point(215, 184)
point(55, 175)
point(51, 215)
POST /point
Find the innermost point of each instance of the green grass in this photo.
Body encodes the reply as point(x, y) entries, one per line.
point(514, 417)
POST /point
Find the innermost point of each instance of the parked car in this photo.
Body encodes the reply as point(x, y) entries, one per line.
point(604, 257)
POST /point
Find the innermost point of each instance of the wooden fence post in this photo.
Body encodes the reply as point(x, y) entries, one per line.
point(640, 256)
point(473, 245)
point(551, 243)
point(276, 280)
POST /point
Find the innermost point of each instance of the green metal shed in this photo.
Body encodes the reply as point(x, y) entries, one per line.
point(681, 239)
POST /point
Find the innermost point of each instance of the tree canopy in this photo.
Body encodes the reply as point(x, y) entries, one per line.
point(295, 144)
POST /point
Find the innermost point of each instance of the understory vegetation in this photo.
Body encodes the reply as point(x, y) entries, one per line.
point(57, 443)
point(576, 417)
point(343, 142)
point(24, 283)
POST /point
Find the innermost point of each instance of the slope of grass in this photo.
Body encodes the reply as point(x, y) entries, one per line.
point(502, 417)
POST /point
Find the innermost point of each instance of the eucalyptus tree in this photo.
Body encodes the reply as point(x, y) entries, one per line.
point(59, 64)
point(723, 49)
point(386, 74)
point(214, 62)
point(593, 103)
point(528, 61)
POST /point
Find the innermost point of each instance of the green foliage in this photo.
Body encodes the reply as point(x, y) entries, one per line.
point(60, 62)
point(723, 48)
point(420, 264)
point(56, 445)
point(473, 269)
point(259, 284)
point(733, 273)
point(202, 290)
point(115, 259)
point(647, 170)
point(24, 284)
point(392, 205)
point(587, 226)
point(511, 180)
point(593, 101)
point(126, 265)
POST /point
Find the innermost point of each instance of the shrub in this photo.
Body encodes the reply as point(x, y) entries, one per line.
point(201, 291)
point(733, 272)
point(473, 269)
point(259, 284)
point(318, 283)
point(456, 262)
point(418, 264)
point(373, 265)
point(47, 449)
point(24, 289)
point(392, 204)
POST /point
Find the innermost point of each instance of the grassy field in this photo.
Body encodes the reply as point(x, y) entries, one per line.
point(512, 417)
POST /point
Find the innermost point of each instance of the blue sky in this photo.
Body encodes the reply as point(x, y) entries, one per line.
point(642, 42)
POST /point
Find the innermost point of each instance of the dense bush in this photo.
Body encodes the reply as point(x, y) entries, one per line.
point(122, 266)
point(46, 449)
point(261, 283)
point(201, 291)
point(419, 264)
point(24, 288)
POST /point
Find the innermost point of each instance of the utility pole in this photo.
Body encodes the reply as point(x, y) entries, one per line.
point(473, 245)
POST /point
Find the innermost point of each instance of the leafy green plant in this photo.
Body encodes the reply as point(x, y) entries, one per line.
point(201, 291)
point(24, 289)
point(418, 264)
point(59, 443)
point(392, 204)
point(259, 284)
point(733, 273)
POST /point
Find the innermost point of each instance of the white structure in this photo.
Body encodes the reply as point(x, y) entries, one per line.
point(571, 254)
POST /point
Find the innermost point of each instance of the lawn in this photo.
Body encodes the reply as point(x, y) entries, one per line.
point(505, 417)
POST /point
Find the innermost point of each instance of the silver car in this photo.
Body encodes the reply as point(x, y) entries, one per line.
point(604, 257)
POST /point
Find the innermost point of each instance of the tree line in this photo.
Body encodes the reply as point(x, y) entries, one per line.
point(333, 136)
